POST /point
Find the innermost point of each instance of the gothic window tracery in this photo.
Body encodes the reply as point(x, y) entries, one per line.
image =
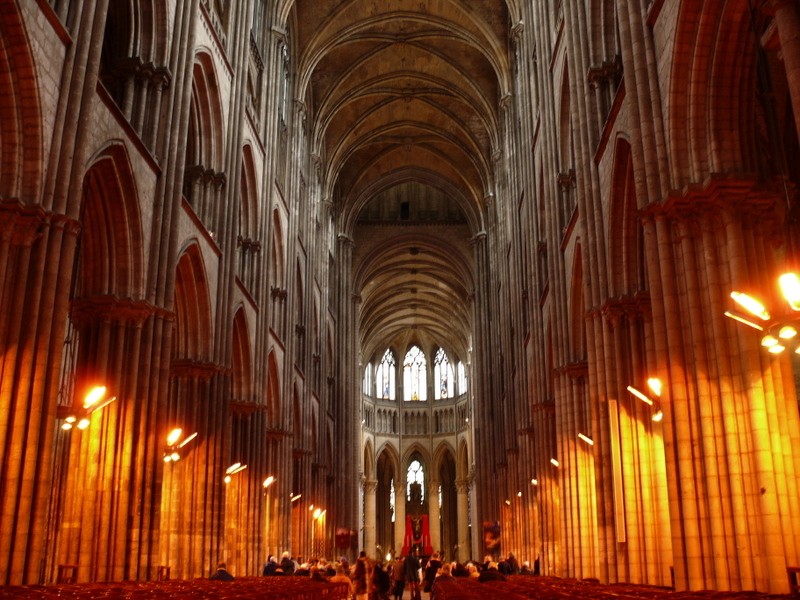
point(443, 376)
point(415, 380)
point(415, 482)
point(385, 377)
point(367, 388)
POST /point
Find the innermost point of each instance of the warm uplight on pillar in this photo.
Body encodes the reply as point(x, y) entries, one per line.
point(640, 395)
point(655, 386)
point(780, 331)
point(790, 286)
point(233, 470)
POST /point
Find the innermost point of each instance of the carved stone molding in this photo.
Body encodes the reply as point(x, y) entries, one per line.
point(577, 371)
point(22, 225)
point(195, 369)
point(243, 408)
point(113, 308)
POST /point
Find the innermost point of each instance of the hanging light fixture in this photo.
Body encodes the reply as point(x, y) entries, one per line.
point(233, 470)
point(655, 386)
point(94, 401)
point(780, 331)
point(175, 442)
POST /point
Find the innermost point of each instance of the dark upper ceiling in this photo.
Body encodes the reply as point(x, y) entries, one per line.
point(403, 98)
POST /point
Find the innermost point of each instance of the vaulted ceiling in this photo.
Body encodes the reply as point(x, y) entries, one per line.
point(403, 101)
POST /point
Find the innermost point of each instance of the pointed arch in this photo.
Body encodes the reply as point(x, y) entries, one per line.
point(297, 418)
point(368, 461)
point(415, 374)
point(565, 144)
point(20, 111)
point(443, 452)
point(392, 456)
point(204, 140)
point(278, 252)
point(242, 366)
point(625, 260)
point(577, 306)
point(712, 127)
point(387, 476)
point(192, 338)
point(419, 451)
point(603, 40)
point(205, 115)
point(462, 465)
point(111, 261)
point(249, 209)
point(273, 392)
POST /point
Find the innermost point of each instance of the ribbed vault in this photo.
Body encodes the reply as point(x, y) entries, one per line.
point(402, 98)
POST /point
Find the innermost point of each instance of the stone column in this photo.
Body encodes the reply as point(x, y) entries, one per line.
point(370, 486)
point(399, 516)
point(462, 499)
point(433, 515)
point(787, 18)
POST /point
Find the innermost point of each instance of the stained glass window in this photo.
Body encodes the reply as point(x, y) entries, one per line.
point(443, 376)
point(385, 377)
point(415, 380)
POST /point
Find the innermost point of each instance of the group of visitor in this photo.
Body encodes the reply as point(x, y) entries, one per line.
point(373, 580)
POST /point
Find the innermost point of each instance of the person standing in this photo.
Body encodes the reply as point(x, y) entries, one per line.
point(412, 575)
point(432, 568)
point(381, 582)
point(342, 577)
point(398, 577)
point(361, 577)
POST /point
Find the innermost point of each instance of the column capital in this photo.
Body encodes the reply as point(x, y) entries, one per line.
point(23, 224)
point(370, 485)
point(462, 486)
point(114, 309)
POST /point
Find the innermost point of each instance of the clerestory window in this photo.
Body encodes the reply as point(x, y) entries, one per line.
point(444, 381)
point(385, 378)
point(415, 380)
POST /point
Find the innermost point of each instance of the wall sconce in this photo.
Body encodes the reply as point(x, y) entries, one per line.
point(554, 462)
point(175, 443)
point(233, 470)
point(586, 439)
point(655, 385)
point(534, 481)
point(268, 481)
point(95, 400)
point(780, 332)
point(295, 497)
